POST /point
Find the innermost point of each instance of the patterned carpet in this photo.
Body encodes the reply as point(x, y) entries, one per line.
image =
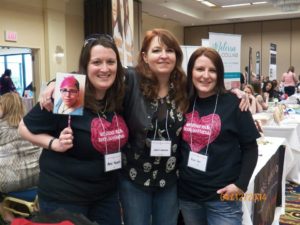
point(292, 205)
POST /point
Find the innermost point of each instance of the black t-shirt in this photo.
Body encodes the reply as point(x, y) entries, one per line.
point(77, 175)
point(230, 128)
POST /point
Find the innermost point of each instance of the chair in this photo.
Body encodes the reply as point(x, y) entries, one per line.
point(22, 203)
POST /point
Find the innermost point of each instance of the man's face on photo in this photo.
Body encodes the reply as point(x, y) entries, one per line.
point(69, 95)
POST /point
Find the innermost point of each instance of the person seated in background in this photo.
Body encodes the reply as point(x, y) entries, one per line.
point(262, 104)
point(268, 91)
point(265, 79)
point(19, 159)
point(276, 90)
point(248, 89)
point(6, 83)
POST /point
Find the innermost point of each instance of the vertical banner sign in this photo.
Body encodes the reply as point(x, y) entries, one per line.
point(273, 66)
point(122, 27)
point(187, 52)
point(204, 42)
point(257, 68)
point(229, 47)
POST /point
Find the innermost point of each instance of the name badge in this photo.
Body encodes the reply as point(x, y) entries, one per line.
point(113, 161)
point(160, 148)
point(197, 161)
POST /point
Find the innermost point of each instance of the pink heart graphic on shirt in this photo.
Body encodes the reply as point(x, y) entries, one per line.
point(112, 134)
point(199, 129)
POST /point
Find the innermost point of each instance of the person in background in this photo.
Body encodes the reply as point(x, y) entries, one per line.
point(289, 80)
point(28, 91)
point(6, 83)
point(268, 91)
point(154, 104)
point(265, 79)
point(276, 90)
point(247, 77)
point(254, 106)
point(298, 85)
point(69, 102)
point(263, 103)
point(223, 138)
point(76, 172)
point(19, 166)
point(242, 81)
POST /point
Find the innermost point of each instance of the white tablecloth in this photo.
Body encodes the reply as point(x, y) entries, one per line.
point(265, 153)
point(289, 129)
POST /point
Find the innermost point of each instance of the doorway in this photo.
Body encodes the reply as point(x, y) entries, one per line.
point(21, 63)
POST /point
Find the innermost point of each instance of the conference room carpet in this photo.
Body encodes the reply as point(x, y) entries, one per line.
point(292, 205)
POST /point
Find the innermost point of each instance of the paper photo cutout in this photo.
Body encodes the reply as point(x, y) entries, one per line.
point(69, 94)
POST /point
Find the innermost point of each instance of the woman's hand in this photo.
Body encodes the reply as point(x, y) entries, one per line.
point(266, 97)
point(46, 97)
point(230, 189)
point(245, 103)
point(64, 142)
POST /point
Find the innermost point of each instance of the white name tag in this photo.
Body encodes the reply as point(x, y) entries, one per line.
point(160, 148)
point(197, 161)
point(113, 161)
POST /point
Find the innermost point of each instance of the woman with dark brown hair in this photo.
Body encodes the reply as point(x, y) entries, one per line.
point(6, 83)
point(78, 171)
point(219, 149)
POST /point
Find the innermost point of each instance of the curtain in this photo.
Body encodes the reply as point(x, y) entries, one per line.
point(97, 17)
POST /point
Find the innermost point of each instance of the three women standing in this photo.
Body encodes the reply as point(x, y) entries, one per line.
point(154, 106)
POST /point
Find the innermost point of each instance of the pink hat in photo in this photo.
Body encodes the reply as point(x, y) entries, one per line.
point(69, 81)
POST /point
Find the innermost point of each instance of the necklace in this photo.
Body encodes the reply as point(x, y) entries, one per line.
point(102, 112)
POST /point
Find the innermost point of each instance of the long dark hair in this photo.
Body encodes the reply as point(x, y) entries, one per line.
point(216, 59)
point(114, 95)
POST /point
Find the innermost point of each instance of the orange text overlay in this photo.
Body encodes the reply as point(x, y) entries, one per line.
point(253, 197)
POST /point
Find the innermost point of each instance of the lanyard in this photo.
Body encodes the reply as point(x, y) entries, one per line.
point(166, 126)
point(212, 119)
point(105, 132)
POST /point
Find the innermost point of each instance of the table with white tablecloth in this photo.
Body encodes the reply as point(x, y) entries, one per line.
point(289, 128)
point(270, 150)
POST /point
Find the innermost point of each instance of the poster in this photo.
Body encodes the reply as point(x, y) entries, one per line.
point(187, 52)
point(229, 47)
point(273, 66)
point(257, 65)
point(268, 184)
point(122, 27)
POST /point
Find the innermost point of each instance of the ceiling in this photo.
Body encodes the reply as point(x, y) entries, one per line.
point(193, 13)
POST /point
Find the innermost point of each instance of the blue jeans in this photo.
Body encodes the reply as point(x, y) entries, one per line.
point(211, 212)
point(104, 212)
point(141, 207)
